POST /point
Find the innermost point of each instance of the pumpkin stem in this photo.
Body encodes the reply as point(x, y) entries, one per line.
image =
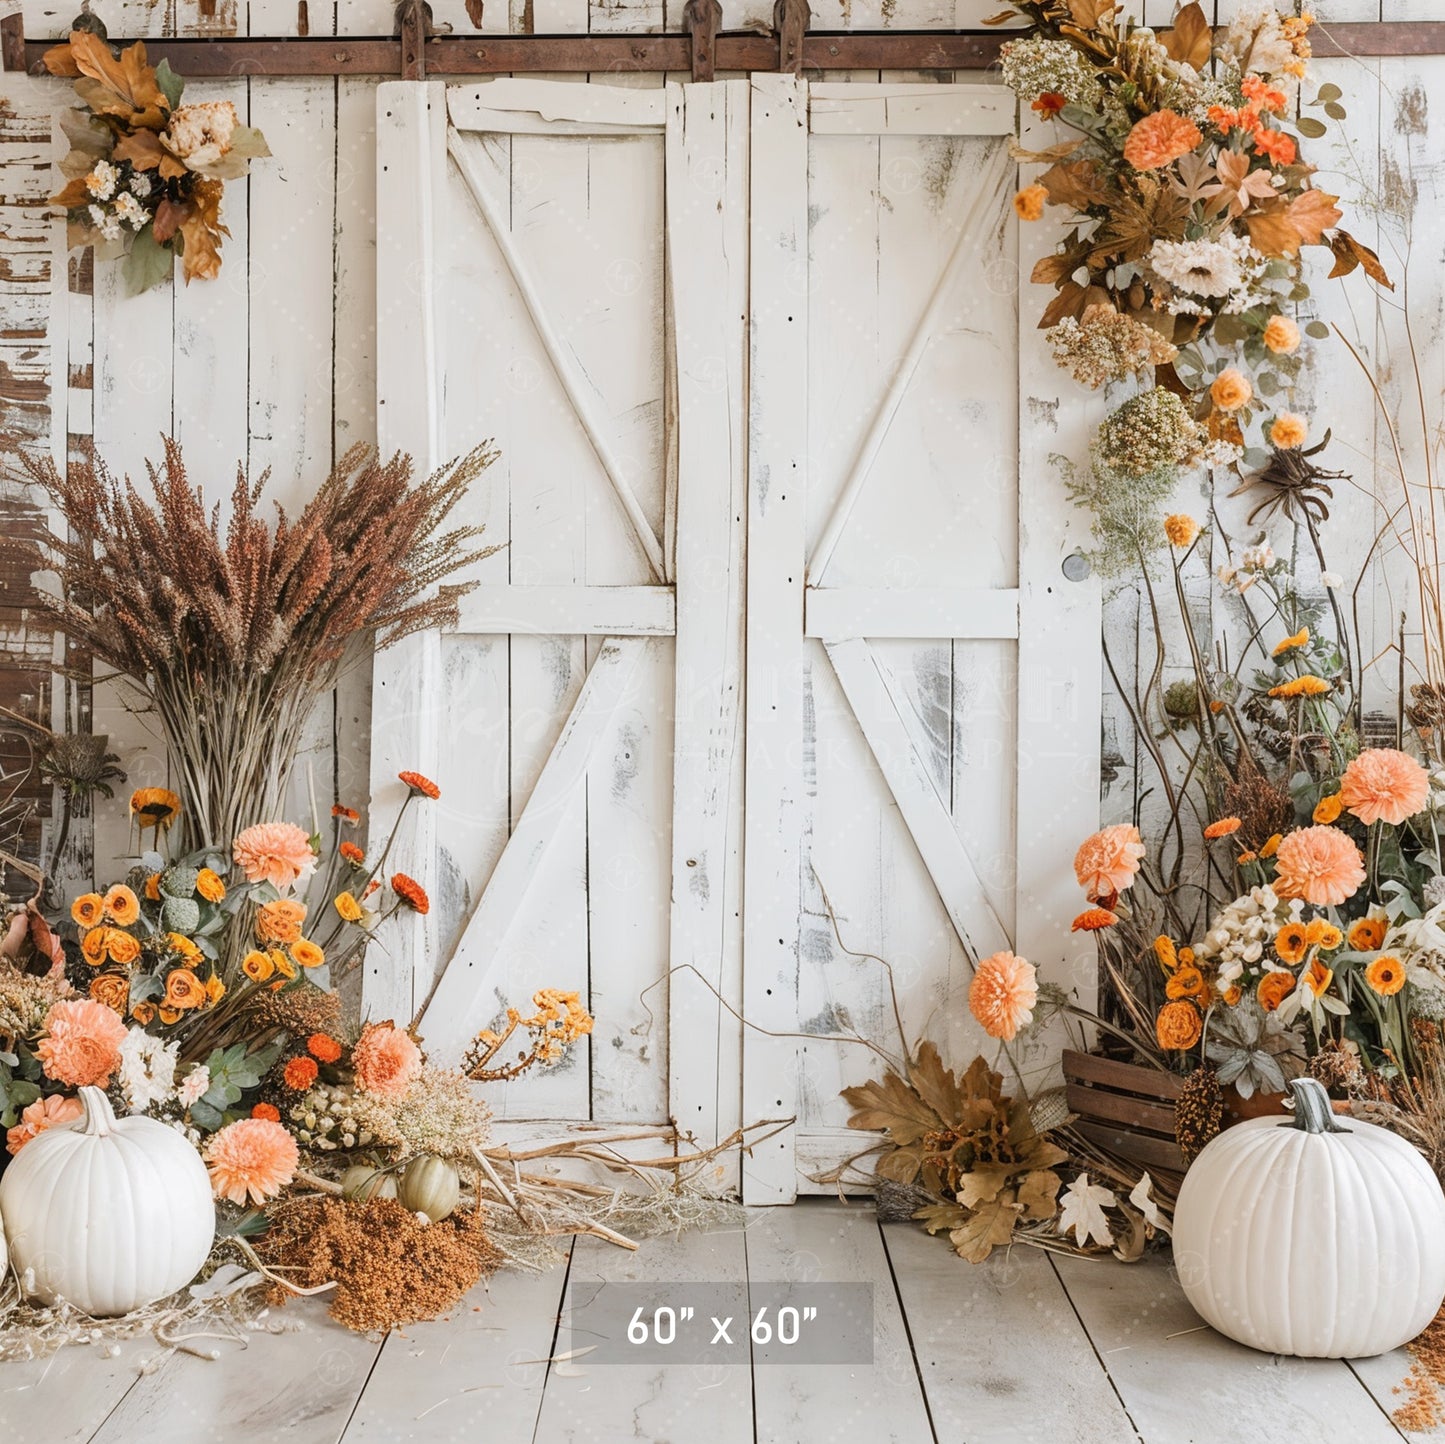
point(1312, 1110)
point(99, 1117)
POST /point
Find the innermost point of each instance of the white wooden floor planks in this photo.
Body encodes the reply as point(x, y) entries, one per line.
point(799, 1404)
point(476, 1374)
point(1181, 1381)
point(1001, 1353)
point(67, 1396)
point(646, 1402)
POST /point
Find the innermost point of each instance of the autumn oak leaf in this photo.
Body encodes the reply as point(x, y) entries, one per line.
point(1191, 41)
point(988, 1228)
point(1312, 213)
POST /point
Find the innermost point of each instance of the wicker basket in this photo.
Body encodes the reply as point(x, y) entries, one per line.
point(1125, 1108)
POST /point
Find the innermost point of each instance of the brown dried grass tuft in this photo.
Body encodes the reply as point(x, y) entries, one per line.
point(234, 626)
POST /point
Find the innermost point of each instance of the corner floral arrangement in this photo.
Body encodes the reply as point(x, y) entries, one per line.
point(1191, 206)
point(146, 173)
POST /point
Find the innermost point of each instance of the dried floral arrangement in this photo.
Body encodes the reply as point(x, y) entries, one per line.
point(1192, 206)
point(233, 629)
point(146, 173)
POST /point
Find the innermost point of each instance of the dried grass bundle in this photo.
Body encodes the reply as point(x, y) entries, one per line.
point(234, 627)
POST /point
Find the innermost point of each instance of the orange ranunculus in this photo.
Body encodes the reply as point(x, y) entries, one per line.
point(307, 953)
point(1187, 982)
point(1385, 785)
point(280, 921)
point(1386, 975)
point(257, 966)
point(143, 1012)
point(93, 946)
point(1232, 994)
point(215, 990)
point(1328, 809)
point(121, 946)
point(1166, 952)
point(153, 887)
point(210, 886)
point(111, 989)
point(1159, 139)
point(1273, 989)
point(88, 909)
point(1317, 977)
point(122, 905)
point(1367, 934)
point(170, 1015)
point(1029, 203)
point(282, 964)
point(1281, 335)
point(184, 990)
point(1320, 865)
point(1291, 942)
point(1178, 1026)
point(185, 946)
point(1271, 846)
point(1231, 390)
point(1288, 431)
point(299, 1074)
point(347, 907)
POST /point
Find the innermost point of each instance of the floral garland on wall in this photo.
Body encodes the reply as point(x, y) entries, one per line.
point(146, 173)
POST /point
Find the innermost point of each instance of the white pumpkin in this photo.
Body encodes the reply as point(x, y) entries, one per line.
point(109, 1214)
point(1312, 1237)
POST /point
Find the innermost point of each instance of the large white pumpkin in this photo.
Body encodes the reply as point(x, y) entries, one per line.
point(110, 1214)
point(1311, 1236)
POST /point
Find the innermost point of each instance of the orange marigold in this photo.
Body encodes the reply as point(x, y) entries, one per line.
point(1030, 201)
point(1093, 920)
point(299, 1074)
point(1178, 1026)
point(411, 892)
point(1320, 933)
point(1384, 785)
point(268, 1111)
point(1320, 865)
point(1279, 147)
point(1292, 942)
point(1107, 862)
point(323, 1047)
point(1367, 934)
point(251, 1160)
point(352, 854)
point(421, 785)
point(1181, 529)
point(1222, 828)
point(1002, 995)
point(1386, 975)
point(348, 815)
point(1159, 139)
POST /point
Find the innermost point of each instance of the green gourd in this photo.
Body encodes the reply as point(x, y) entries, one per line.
point(361, 1183)
point(431, 1186)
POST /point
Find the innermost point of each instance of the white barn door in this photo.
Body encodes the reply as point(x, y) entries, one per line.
point(781, 611)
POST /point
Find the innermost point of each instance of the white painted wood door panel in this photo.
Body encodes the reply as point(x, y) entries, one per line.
point(758, 627)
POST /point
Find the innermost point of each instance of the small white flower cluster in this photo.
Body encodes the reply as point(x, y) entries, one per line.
point(147, 1074)
point(1037, 66)
point(116, 207)
point(1241, 933)
point(1253, 563)
point(324, 1120)
point(1223, 273)
point(1256, 41)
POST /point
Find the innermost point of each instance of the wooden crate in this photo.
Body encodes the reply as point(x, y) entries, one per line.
point(1126, 1108)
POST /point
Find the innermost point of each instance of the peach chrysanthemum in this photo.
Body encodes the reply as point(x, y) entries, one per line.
point(42, 1114)
point(1002, 995)
point(275, 852)
point(251, 1160)
point(82, 1043)
point(1384, 785)
point(385, 1060)
point(1106, 863)
point(1159, 139)
point(1320, 865)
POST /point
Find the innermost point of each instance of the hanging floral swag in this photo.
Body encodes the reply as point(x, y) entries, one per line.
point(1192, 208)
point(146, 173)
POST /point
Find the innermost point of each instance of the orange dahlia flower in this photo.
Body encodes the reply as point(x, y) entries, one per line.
point(1002, 995)
point(1384, 785)
point(1320, 865)
point(276, 852)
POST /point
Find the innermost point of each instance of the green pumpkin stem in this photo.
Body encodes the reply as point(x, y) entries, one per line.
point(1313, 1112)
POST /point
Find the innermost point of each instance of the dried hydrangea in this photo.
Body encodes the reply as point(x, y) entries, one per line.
point(1257, 41)
point(1239, 935)
point(1105, 345)
point(25, 1000)
point(1150, 435)
point(326, 1119)
point(440, 1113)
point(1036, 66)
